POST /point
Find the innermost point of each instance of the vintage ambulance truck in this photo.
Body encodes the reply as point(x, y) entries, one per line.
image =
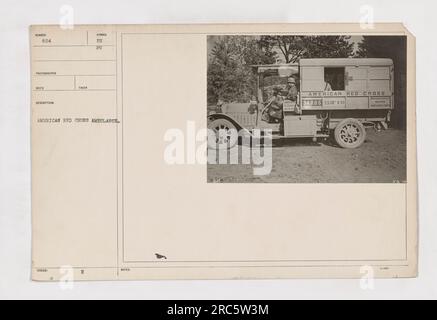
point(338, 97)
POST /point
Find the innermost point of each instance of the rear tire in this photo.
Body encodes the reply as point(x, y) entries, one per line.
point(350, 133)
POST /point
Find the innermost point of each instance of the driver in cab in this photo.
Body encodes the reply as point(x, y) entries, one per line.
point(292, 92)
point(276, 106)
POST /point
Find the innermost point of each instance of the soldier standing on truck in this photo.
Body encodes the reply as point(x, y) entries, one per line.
point(275, 108)
point(279, 95)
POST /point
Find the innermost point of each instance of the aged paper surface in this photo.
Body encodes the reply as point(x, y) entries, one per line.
point(108, 205)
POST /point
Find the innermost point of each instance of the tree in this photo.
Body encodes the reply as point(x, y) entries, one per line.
point(230, 75)
point(294, 48)
point(291, 47)
point(363, 48)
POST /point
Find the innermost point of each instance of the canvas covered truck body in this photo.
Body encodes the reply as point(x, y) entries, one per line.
point(338, 97)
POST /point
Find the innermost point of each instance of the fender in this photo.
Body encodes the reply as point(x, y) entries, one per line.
point(215, 116)
point(237, 125)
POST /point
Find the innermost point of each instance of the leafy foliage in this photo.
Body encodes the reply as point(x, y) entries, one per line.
point(294, 48)
point(230, 77)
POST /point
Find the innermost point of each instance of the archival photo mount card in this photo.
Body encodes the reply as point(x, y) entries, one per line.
point(258, 151)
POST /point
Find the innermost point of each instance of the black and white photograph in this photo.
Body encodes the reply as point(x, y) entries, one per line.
point(335, 107)
point(218, 158)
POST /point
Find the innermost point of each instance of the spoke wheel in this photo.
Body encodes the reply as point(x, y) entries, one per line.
point(224, 135)
point(350, 133)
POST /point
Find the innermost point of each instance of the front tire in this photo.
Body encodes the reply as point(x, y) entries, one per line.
point(225, 134)
point(350, 133)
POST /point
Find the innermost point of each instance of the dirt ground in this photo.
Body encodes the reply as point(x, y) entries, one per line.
point(381, 159)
